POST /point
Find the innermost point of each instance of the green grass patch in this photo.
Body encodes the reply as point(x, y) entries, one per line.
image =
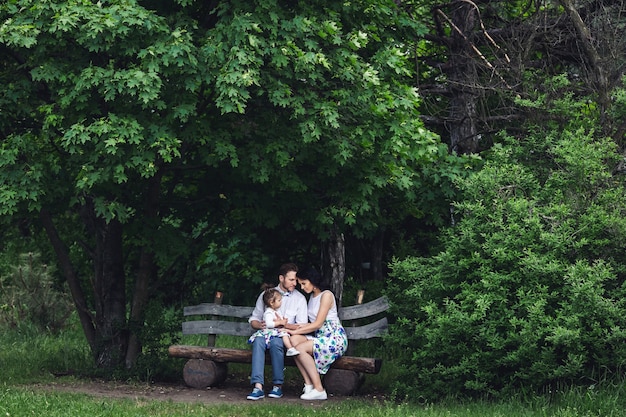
point(19, 401)
point(29, 355)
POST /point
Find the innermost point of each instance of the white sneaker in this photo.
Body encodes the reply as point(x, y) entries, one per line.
point(314, 395)
point(307, 388)
point(292, 351)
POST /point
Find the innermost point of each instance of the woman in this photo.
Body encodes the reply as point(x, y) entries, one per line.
point(322, 340)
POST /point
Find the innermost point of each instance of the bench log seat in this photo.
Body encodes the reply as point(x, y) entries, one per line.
point(207, 365)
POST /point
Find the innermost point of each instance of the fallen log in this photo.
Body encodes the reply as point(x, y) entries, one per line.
point(226, 355)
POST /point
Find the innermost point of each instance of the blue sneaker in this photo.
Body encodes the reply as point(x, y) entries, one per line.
point(256, 394)
point(276, 392)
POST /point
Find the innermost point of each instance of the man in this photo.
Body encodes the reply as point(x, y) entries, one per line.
point(293, 311)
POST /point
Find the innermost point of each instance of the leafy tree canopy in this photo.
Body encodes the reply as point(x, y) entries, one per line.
point(136, 130)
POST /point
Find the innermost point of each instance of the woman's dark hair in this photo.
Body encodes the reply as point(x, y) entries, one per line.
point(313, 276)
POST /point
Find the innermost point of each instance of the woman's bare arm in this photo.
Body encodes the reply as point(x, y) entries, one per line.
point(325, 304)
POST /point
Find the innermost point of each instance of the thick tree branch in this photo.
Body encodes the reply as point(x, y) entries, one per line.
point(591, 54)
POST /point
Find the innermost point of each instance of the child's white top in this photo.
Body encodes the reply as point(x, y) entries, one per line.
point(269, 315)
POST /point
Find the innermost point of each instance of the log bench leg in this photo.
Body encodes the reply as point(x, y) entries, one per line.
point(202, 373)
point(342, 382)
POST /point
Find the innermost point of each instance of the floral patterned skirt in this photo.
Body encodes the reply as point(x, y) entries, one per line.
point(267, 334)
point(329, 343)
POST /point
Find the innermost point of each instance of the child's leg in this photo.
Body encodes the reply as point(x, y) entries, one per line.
point(287, 341)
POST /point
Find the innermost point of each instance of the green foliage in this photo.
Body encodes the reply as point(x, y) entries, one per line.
point(174, 120)
point(528, 290)
point(140, 89)
point(29, 296)
point(334, 79)
point(161, 330)
point(229, 262)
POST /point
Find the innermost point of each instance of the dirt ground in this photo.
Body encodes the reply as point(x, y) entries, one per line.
point(229, 392)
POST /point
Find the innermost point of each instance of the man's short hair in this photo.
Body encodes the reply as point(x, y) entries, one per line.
point(285, 268)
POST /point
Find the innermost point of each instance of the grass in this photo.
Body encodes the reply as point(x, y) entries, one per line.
point(18, 401)
point(28, 356)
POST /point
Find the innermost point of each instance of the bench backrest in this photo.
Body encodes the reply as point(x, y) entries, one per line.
point(233, 320)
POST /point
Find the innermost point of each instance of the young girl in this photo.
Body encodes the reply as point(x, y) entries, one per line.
point(272, 300)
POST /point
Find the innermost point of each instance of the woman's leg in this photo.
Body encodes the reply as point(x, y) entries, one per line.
point(296, 339)
point(302, 370)
point(301, 348)
point(306, 365)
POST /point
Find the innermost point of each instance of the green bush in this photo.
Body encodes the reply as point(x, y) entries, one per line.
point(30, 296)
point(162, 328)
point(529, 288)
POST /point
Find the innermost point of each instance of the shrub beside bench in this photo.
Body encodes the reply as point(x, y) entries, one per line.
point(208, 365)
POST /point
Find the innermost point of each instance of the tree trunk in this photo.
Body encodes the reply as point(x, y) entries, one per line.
point(463, 79)
point(146, 274)
point(106, 331)
point(110, 289)
point(84, 314)
point(377, 256)
point(113, 340)
point(335, 263)
point(591, 55)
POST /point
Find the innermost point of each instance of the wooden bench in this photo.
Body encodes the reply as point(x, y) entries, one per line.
point(207, 365)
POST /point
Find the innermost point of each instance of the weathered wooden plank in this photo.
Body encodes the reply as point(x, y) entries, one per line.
point(358, 364)
point(218, 310)
point(360, 311)
point(227, 355)
point(233, 328)
point(367, 331)
point(345, 313)
point(243, 329)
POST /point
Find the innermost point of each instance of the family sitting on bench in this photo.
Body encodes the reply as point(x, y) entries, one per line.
point(312, 333)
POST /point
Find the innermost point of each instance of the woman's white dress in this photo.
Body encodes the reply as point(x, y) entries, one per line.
point(330, 341)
